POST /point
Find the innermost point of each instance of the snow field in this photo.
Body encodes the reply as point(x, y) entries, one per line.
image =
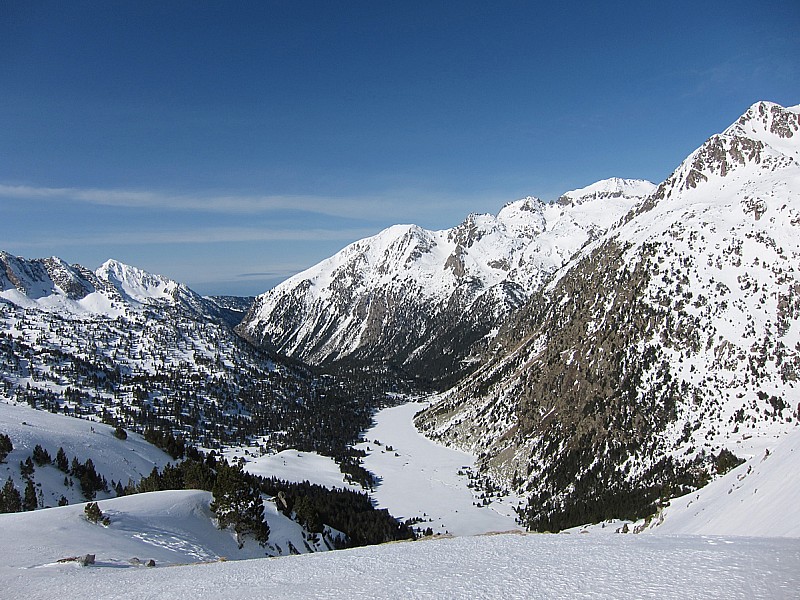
point(502, 566)
point(419, 478)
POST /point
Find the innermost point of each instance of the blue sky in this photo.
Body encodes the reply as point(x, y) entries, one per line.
point(229, 145)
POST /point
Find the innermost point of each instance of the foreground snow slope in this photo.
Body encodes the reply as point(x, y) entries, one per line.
point(503, 566)
point(171, 527)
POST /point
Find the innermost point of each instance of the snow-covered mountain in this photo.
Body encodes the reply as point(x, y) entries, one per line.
point(661, 345)
point(113, 290)
point(142, 351)
point(419, 299)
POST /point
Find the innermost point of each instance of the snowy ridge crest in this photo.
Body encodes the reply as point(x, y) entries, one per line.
point(114, 289)
point(394, 296)
point(614, 187)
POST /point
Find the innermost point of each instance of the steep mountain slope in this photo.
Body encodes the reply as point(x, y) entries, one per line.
point(420, 300)
point(659, 346)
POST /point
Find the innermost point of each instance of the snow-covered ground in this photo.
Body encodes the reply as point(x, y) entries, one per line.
point(502, 566)
point(292, 465)
point(420, 478)
point(171, 527)
point(118, 460)
point(759, 497)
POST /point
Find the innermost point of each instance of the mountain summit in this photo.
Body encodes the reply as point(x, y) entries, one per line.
point(419, 300)
point(663, 350)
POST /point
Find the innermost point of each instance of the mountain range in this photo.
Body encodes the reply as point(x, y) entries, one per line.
point(659, 351)
point(599, 354)
point(424, 302)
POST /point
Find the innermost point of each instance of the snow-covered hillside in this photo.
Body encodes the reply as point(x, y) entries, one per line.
point(171, 527)
point(760, 497)
point(115, 459)
point(400, 296)
point(667, 340)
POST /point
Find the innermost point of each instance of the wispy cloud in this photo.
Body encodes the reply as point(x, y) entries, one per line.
point(198, 236)
point(362, 207)
point(395, 206)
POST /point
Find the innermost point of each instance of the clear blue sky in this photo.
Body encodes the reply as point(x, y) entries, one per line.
point(230, 144)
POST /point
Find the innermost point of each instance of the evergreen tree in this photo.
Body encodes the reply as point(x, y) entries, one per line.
point(93, 512)
point(237, 503)
point(29, 501)
point(41, 456)
point(5, 446)
point(10, 499)
point(26, 467)
point(91, 482)
point(307, 514)
point(61, 460)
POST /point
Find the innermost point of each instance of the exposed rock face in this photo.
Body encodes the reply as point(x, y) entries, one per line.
point(662, 343)
point(427, 301)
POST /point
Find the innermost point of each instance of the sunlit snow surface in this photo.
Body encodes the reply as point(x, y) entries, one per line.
point(419, 478)
point(292, 465)
point(503, 566)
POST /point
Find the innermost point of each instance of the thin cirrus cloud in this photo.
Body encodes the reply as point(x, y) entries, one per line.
point(361, 207)
point(202, 236)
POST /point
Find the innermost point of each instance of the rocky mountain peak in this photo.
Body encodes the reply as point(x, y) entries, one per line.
point(41, 277)
point(770, 123)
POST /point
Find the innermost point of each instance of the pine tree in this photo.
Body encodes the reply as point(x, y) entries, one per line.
point(93, 512)
point(26, 467)
point(5, 446)
point(237, 503)
point(10, 499)
point(61, 460)
point(41, 456)
point(29, 501)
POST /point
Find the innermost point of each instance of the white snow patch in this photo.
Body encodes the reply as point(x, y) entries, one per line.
point(419, 478)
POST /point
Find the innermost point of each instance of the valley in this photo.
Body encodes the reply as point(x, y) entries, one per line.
point(622, 360)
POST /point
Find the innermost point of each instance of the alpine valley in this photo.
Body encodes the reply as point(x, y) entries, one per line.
point(599, 362)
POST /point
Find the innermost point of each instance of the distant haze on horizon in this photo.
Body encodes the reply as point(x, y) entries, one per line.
point(231, 145)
